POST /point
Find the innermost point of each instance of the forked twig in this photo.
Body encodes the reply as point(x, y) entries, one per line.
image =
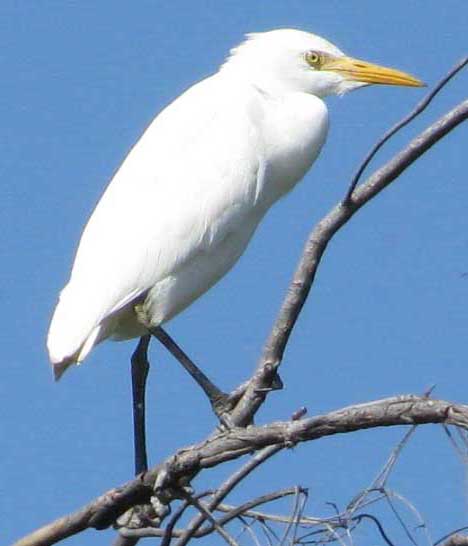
point(206, 514)
point(379, 482)
point(227, 487)
point(248, 527)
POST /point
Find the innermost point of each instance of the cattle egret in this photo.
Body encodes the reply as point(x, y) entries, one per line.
point(183, 206)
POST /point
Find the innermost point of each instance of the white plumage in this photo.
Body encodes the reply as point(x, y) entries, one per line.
point(189, 196)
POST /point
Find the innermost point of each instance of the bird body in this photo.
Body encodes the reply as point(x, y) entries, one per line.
point(187, 199)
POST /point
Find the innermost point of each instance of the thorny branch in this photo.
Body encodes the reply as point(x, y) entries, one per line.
point(166, 479)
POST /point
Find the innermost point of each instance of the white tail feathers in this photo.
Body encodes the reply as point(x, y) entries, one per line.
point(72, 333)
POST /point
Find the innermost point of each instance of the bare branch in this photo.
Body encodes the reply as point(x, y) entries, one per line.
point(175, 518)
point(400, 520)
point(381, 479)
point(297, 511)
point(228, 486)
point(255, 514)
point(461, 451)
point(382, 532)
point(248, 528)
point(315, 247)
point(206, 514)
point(231, 513)
point(245, 509)
point(100, 513)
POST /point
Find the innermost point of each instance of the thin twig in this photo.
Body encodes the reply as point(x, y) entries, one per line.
point(420, 107)
point(295, 513)
point(330, 529)
point(232, 512)
point(205, 512)
point(297, 523)
point(176, 517)
point(463, 438)
point(379, 482)
point(382, 532)
point(410, 506)
point(244, 509)
point(255, 514)
point(228, 486)
point(460, 453)
point(400, 521)
point(268, 530)
point(382, 478)
point(248, 528)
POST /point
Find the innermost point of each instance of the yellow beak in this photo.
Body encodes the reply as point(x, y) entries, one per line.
point(362, 71)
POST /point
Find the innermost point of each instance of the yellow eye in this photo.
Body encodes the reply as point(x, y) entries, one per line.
point(314, 59)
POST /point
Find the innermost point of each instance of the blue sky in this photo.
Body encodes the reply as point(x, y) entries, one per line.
point(80, 82)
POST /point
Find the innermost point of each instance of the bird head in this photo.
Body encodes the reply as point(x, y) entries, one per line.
point(288, 60)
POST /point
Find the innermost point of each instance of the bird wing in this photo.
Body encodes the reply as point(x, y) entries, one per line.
point(180, 188)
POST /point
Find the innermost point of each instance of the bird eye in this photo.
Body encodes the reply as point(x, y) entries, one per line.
point(314, 59)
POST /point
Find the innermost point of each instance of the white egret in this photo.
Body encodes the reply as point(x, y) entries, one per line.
point(183, 206)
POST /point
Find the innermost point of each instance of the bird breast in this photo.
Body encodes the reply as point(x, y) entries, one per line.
point(287, 134)
point(296, 127)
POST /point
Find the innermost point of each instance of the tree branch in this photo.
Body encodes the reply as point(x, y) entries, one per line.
point(231, 512)
point(205, 513)
point(315, 247)
point(226, 446)
point(227, 487)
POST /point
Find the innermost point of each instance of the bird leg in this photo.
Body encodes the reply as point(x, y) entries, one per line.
point(140, 368)
point(138, 516)
point(221, 402)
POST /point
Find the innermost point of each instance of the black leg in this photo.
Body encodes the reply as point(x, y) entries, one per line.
point(220, 401)
point(140, 368)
